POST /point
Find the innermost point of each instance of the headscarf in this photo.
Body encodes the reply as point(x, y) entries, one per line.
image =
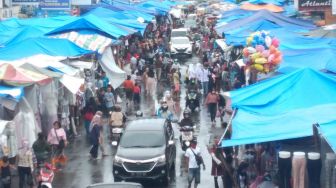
point(95, 120)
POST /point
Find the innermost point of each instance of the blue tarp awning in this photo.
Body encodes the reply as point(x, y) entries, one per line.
point(91, 22)
point(274, 2)
point(282, 107)
point(312, 58)
point(276, 18)
point(47, 46)
point(328, 131)
point(15, 93)
point(118, 18)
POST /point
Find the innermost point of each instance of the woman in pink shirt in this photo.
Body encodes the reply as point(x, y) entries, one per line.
point(212, 102)
point(58, 140)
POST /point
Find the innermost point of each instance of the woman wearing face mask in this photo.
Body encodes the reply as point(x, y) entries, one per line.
point(212, 102)
point(25, 165)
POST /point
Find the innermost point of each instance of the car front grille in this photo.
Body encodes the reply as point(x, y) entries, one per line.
point(181, 50)
point(138, 167)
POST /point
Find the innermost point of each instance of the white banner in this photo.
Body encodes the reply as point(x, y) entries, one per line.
point(333, 6)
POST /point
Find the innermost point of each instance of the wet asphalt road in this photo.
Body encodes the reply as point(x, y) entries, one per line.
point(81, 171)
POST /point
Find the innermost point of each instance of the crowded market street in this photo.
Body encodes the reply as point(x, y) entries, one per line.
point(167, 94)
point(80, 166)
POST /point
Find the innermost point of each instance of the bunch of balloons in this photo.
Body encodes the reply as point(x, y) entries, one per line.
point(261, 52)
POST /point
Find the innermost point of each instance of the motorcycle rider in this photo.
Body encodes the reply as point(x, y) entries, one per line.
point(186, 121)
point(41, 148)
point(163, 111)
point(192, 88)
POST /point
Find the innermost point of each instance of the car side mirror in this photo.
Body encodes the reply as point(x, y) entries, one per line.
point(171, 142)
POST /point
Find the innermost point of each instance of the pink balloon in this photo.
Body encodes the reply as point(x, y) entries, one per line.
point(275, 42)
point(265, 53)
point(270, 58)
point(260, 48)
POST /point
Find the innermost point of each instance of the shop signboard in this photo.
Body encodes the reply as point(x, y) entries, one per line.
point(25, 2)
point(314, 5)
point(55, 4)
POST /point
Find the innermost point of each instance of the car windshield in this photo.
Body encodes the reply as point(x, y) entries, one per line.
point(142, 139)
point(180, 41)
point(178, 34)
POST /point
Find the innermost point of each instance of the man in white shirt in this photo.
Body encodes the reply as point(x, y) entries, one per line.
point(202, 74)
point(194, 171)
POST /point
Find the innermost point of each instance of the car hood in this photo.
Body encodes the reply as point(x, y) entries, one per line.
point(140, 153)
point(181, 46)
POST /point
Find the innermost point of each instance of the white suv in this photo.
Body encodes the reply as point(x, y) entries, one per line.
point(180, 46)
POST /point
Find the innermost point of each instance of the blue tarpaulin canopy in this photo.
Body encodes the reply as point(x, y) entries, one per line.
point(234, 14)
point(91, 22)
point(313, 58)
point(135, 8)
point(47, 46)
point(276, 18)
point(20, 34)
point(328, 131)
point(15, 93)
point(118, 18)
point(274, 2)
point(282, 107)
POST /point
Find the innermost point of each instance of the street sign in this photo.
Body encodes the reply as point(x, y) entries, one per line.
point(314, 5)
point(55, 4)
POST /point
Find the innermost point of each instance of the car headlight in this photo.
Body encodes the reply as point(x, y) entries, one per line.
point(189, 49)
point(161, 159)
point(118, 159)
point(172, 49)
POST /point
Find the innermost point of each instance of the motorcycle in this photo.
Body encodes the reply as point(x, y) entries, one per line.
point(187, 134)
point(117, 131)
point(116, 135)
point(197, 47)
point(192, 101)
point(46, 176)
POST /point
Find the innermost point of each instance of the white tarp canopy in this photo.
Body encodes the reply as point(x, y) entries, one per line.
point(71, 83)
point(222, 44)
point(81, 64)
point(115, 74)
point(177, 13)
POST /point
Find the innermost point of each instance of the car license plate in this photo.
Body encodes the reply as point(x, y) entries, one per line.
point(139, 174)
point(186, 136)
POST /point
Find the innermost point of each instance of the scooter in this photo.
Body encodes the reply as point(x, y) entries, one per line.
point(187, 133)
point(46, 176)
point(192, 101)
point(197, 47)
point(117, 131)
point(116, 135)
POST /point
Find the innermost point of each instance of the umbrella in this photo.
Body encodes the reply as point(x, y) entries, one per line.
point(269, 7)
point(18, 76)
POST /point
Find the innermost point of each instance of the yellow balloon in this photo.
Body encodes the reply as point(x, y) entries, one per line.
point(255, 56)
point(258, 67)
point(261, 60)
point(249, 40)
